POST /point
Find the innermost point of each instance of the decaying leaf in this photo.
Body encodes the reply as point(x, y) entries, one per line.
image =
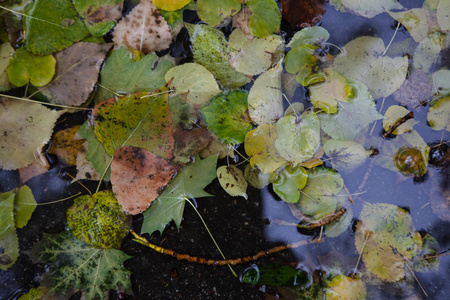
point(98, 220)
point(38, 167)
point(188, 183)
point(256, 178)
point(138, 177)
point(76, 73)
point(6, 52)
point(232, 181)
point(365, 61)
point(344, 287)
point(99, 16)
point(189, 143)
point(143, 29)
point(65, 146)
point(26, 67)
point(265, 102)
point(140, 120)
point(26, 128)
point(194, 80)
point(395, 113)
point(75, 266)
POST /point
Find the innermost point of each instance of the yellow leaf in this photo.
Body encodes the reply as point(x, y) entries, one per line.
point(170, 5)
point(65, 147)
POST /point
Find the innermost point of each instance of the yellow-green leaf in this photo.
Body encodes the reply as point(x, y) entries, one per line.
point(232, 181)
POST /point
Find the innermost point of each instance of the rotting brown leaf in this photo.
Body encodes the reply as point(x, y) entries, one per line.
point(302, 13)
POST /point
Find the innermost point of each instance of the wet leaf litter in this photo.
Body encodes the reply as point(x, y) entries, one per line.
point(153, 146)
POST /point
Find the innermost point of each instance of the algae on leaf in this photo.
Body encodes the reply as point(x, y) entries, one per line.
point(51, 26)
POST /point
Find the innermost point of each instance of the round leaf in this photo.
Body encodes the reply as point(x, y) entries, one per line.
point(98, 220)
point(289, 183)
point(232, 181)
point(301, 61)
point(264, 17)
point(227, 118)
point(213, 12)
point(345, 155)
point(439, 114)
point(443, 15)
point(26, 67)
point(309, 35)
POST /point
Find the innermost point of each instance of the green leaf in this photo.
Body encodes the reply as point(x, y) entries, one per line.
point(393, 114)
point(319, 197)
point(439, 114)
point(121, 74)
point(264, 17)
point(77, 266)
point(26, 67)
point(301, 61)
point(98, 220)
point(256, 178)
point(232, 181)
point(345, 155)
point(99, 17)
point(343, 287)
point(368, 9)
point(298, 138)
point(32, 294)
point(24, 206)
point(194, 80)
point(211, 50)
point(252, 57)
point(8, 237)
point(275, 275)
point(174, 18)
point(141, 120)
point(260, 147)
point(96, 154)
point(309, 35)
point(227, 118)
point(384, 238)
point(51, 26)
point(213, 12)
point(365, 61)
point(26, 128)
point(265, 102)
point(289, 183)
point(351, 118)
point(188, 183)
point(6, 52)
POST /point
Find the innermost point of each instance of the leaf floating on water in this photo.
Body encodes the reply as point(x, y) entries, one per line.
point(344, 287)
point(395, 113)
point(99, 16)
point(439, 114)
point(9, 242)
point(232, 181)
point(227, 116)
point(143, 29)
point(217, 12)
point(264, 17)
point(51, 26)
point(265, 102)
point(24, 206)
point(414, 20)
point(170, 5)
point(365, 61)
point(98, 220)
point(309, 35)
point(138, 177)
point(345, 155)
point(427, 51)
point(367, 9)
point(443, 15)
point(141, 120)
point(289, 183)
point(77, 266)
point(414, 91)
point(26, 67)
point(80, 64)
point(256, 178)
point(194, 80)
point(188, 183)
point(26, 128)
point(301, 61)
point(307, 12)
point(65, 147)
point(275, 275)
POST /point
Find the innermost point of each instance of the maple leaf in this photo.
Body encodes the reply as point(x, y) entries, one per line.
point(189, 183)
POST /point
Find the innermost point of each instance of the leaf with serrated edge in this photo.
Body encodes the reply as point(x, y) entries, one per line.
point(188, 183)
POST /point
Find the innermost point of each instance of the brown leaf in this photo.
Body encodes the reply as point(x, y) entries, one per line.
point(143, 29)
point(103, 14)
point(188, 143)
point(138, 177)
point(38, 167)
point(77, 69)
point(65, 146)
point(302, 13)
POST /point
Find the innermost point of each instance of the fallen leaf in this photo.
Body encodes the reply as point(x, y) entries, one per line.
point(315, 35)
point(138, 177)
point(51, 26)
point(65, 146)
point(194, 80)
point(99, 17)
point(38, 167)
point(98, 220)
point(257, 179)
point(170, 5)
point(365, 61)
point(232, 181)
point(189, 143)
point(140, 120)
point(26, 67)
point(217, 12)
point(427, 51)
point(415, 21)
point(306, 13)
point(77, 70)
point(367, 9)
point(210, 49)
point(345, 155)
point(441, 83)
point(439, 114)
point(26, 128)
point(414, 91)
point(216, 147)
point(302, 62)
point(443, 15)
point(344, 287)
point(121, 74)
point(275, 275)
point(289, 183)
point(393, 114)
point(188, 183)
point(75, 266)
point(264, 17)
point(252, 57)
point(24, 206)
point(6, 52)
point(226, 116)
point(143, 29)
point(265, 102)
point(8, 237)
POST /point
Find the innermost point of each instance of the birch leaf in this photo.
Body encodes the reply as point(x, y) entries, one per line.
point(26, 128)
point(213, 12)
point(439, 114)
point(309, 35)
point(143, 29)
point(264, 17)
point(232, 181)
point(345, 155)
point(6, 52)
point(443, 15)
point(393, 114)
point(194, 80)
point(265, 103)
point(65, 146)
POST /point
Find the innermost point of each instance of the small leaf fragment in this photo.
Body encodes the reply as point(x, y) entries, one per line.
point(170, 5)
point(24, 206)
point(232, 181)
point(344, 287)
point(275, 275)
point(65, 147)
